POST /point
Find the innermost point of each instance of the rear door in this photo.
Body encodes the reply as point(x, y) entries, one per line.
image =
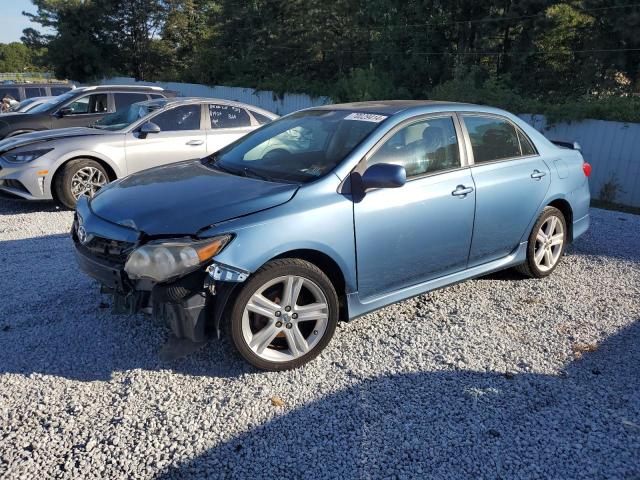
point(226, 124)
point(511, 182)
point(180, 138)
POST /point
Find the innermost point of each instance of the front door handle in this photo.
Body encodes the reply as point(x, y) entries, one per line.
point(462, 191)
point(537, 174)
point(193, 143)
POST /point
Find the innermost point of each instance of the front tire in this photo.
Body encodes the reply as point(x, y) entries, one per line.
point(79, 177)
point(285, 315)
point(546, 244)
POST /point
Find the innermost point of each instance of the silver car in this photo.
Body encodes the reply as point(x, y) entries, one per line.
point(67, 163)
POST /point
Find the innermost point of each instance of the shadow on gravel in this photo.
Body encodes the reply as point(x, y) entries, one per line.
point(54, 321)
point(15, 205)
point(584, 423)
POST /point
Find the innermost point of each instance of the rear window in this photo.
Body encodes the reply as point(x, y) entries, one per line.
point(9, 91)
point(59, 90)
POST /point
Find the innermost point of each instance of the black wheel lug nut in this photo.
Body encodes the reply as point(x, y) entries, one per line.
point(287, 308)
point(278, 324)
point(294, 316)
point(289, 325)
point(278, 313)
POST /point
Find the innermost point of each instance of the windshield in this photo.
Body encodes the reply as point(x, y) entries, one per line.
point(54, 102)
point(298, 148)
point(126, 116)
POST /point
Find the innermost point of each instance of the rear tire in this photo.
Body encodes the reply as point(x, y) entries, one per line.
point(546, 244)
point(78, 177)
point(285, 315)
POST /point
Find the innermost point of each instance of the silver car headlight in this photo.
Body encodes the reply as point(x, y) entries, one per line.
point(164, 259)
point(25, 157)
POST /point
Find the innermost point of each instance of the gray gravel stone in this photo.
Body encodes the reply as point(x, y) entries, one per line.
point(498, 377)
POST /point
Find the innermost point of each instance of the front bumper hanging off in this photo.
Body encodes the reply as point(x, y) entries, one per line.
point(192, 306)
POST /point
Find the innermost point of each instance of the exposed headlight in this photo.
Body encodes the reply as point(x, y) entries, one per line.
point(165, 259)
point(25, 157)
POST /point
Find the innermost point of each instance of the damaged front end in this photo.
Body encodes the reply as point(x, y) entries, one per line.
point(175, 280)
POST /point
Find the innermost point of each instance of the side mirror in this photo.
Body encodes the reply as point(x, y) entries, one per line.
point(64, 112)
point(149, 127)
point(384, 175)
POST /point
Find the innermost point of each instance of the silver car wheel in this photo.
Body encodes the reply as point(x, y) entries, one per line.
point(549, 242)
point(285, 318)
point(87, 181)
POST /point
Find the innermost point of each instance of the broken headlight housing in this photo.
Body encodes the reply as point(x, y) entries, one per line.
point(162, 260)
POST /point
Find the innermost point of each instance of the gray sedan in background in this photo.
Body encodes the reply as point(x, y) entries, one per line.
point(68, 163)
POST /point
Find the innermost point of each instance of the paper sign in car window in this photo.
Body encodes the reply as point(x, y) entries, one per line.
point(366, 117)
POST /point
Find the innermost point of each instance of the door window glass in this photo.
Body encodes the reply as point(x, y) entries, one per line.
point(525, 145)
point(492, 138)
point(31, 92)
point(186, 117)
point(423, 147)
point(96, 103)
point(262, 119)
point(123, 100)
point(228, 116)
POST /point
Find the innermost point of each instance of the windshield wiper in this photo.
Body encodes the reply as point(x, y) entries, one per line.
point(251, 173)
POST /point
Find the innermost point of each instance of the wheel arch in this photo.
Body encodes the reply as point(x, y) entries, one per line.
point(111, 173)
point(320, 259)
point(565, 207)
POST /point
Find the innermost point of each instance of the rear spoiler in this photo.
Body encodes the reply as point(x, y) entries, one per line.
point(570, 145)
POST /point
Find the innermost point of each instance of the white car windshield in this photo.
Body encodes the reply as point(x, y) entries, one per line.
point(126, 116)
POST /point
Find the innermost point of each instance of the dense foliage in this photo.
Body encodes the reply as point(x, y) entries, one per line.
point(524, 55)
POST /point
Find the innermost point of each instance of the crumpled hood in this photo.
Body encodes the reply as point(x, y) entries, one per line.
point(183, 198)
point(43, 136)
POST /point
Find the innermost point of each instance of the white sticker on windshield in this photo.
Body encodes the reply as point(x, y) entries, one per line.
point(366, 117)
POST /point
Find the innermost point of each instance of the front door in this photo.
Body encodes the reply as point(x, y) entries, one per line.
point(421, 231)
point(511, 182)
point(180, 138)
point(82, 111)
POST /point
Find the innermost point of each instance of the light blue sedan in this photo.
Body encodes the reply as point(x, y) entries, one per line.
point(330, 213)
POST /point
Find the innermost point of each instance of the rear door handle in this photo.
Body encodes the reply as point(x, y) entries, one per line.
point(462, 191)
point(537, 174)
point(195, 142)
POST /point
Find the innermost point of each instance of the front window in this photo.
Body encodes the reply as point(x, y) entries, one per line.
point(298, 148)
point(127, 116)
point(422, 148)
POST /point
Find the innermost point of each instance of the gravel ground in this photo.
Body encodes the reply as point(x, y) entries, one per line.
point(496, 378)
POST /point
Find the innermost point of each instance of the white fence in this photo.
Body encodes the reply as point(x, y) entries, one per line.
point(613, 148)
point(289, 102)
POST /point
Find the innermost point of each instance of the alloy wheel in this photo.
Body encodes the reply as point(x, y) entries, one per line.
point(285, 318)
point(87, 181)
point(549, 243)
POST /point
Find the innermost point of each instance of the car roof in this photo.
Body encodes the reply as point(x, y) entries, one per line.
point(132, 88)
point(389, 107)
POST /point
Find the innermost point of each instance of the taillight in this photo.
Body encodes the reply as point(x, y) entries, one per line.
point(586, 168)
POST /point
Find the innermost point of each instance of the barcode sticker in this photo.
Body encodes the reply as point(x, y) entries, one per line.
point(366, 117)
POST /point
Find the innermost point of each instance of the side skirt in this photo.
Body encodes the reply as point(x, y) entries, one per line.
point(357, 308)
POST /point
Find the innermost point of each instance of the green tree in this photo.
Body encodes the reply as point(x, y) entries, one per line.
point(16, 57)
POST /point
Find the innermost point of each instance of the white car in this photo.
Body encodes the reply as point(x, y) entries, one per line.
point(67, 163)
